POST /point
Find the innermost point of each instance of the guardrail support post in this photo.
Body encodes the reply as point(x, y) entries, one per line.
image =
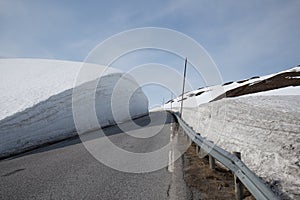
point(190, 140)
point(197, 149)
point(212, 161)
point(239, 193)
point(180, 130)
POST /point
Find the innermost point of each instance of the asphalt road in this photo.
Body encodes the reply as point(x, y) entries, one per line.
point(66, 170)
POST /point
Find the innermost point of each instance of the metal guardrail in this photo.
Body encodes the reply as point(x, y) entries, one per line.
point(249, 179)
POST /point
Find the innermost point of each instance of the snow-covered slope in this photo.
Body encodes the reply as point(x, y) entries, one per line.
point(291, 90)
point(36, 101)
point(243, 87)
point(260, 120)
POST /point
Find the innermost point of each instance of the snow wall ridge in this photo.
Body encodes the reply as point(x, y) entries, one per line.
point(52, 119)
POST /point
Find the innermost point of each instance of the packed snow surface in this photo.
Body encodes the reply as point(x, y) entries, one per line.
point(26, 82)
point(263, 126)
point(36, 101)
point(265, 129)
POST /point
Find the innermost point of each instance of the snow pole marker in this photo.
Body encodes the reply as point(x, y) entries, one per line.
point(183, 85)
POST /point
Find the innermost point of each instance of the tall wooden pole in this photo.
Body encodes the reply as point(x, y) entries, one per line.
point(183, 85)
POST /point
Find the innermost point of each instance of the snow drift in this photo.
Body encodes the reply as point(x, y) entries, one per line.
point(36, 102)
point(265, 129)
point(261, 120)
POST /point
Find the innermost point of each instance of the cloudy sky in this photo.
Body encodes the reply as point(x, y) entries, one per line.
point(244, 38)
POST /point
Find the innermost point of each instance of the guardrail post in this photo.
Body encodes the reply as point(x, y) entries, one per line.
point(188, 139)
point(180, 130)
point(176, 126)
point(197, 149)
point(212, 161)
point(239, 193)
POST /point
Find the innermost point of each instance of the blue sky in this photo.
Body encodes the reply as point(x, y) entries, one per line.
point(244, 38)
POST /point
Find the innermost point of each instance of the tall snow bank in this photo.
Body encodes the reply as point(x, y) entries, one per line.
point(265, 129)
point(36, 102)
point(26, 82)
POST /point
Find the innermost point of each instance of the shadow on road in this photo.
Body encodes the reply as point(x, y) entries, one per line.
point(158, 118)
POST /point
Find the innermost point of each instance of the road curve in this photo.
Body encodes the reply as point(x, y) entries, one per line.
point(66, 170)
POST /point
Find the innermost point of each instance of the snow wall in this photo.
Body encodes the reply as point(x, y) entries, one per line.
point(52, 119)
point(265, 129)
